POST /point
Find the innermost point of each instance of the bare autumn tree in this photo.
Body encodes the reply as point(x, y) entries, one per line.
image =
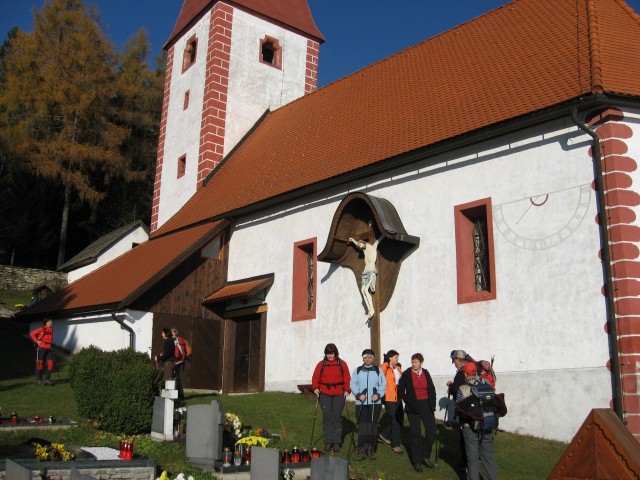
point(58, 98)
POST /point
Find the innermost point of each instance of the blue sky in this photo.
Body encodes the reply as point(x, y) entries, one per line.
point(357, 32)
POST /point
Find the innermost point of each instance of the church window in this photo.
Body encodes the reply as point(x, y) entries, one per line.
point(182, 165)
point(474, 251)
point(304, 280)
point(190, 51)
point(271, 52)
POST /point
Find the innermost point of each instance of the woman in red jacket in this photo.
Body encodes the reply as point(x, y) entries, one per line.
point(43, 338)
point(330, 383)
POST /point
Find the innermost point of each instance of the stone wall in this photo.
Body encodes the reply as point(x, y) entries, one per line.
point(18, 278)
point(103, 470)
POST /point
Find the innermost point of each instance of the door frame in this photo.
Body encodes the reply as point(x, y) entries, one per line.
point(228, 355)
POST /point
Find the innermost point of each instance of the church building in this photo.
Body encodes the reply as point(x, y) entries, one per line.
point(476, 191)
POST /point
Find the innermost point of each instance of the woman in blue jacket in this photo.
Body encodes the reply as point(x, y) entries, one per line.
point(368, 386)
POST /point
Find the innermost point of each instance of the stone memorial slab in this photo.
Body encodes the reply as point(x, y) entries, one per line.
point(265, 463)
point(162, 420)
point(205, 424)
point(329, 468)
point(15, 471)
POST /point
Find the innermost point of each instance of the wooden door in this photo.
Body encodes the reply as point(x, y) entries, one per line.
point(247, 358)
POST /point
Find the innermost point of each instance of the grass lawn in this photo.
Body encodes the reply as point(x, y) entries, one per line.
point(287, 414)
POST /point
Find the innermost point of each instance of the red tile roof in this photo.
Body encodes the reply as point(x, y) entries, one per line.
point(241, 288)
point(524, 57)
point(123, 280)
point(294, 13)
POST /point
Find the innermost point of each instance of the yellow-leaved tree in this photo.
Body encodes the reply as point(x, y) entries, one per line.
point(60, 102)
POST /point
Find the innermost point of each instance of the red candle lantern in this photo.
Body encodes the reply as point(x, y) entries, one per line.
point(305, 456)
point(247, 456)
point(14, 418)
point(286, 456)
point(295, 455)
point(315, 453)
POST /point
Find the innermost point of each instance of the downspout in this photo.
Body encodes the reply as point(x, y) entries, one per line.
point(612, 326)
point(132, 334)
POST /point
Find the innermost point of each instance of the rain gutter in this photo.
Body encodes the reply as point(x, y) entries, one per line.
point(612, 326)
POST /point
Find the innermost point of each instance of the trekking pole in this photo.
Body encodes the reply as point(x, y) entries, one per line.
point(315, 414)
point(356, 426)
point(37, 348)
point(444, 422)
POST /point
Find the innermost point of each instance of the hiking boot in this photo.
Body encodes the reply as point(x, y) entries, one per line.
point(427, 463)
point(417, 467)
point(361, 455)
point(47, 383)
point(384, 440)
point(328, 447)
point(336, 448)
point(397, 450)
point(371, 452)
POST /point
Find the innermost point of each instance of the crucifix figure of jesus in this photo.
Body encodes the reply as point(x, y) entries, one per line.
point(370, 272)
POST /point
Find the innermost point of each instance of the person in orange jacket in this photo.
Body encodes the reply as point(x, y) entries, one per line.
point(43, 338)
point(391, 434)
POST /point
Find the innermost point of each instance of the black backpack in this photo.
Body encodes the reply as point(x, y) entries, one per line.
point(482, 408)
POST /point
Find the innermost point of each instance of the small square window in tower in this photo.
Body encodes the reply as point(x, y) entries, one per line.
point(182, 166)
point(271, 52)
point(189, 54)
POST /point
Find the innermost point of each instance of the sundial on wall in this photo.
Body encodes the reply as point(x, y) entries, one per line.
point(543, 220)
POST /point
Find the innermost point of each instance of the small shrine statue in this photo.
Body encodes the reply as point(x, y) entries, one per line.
point(370, 272)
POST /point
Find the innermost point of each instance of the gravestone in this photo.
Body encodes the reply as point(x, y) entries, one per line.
point(163, 412)
point(15, 471)
point(265, 463)
point(205, 424)
point(329, 468)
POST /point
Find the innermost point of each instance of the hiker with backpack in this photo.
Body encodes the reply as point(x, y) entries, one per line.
point(368, 384)
point(43, 339)
point(391, 434)
point(179, 359)
point(479, 420)
point(331, 385)
point(459, 358)
point(418, 392)
point(165, 359)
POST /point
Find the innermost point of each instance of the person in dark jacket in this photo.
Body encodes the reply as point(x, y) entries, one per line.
point(418, 392)
point(165, 359)
point(459, 358)
point(43, 338)
point(330, 383)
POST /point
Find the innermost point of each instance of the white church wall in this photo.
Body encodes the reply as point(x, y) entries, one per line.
point(183, 125)
point(137, 236)
point(546, 326)
point(75, 333)
point(255, 86)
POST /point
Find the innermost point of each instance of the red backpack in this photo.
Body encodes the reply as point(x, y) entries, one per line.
point(179, 350)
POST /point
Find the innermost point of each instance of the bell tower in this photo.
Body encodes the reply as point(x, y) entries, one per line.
point(227, 63)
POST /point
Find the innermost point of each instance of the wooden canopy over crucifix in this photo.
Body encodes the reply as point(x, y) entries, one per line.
point(367, 219)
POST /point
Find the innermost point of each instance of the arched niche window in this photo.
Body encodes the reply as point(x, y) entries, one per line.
point(271, 52)
point(190, 51)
